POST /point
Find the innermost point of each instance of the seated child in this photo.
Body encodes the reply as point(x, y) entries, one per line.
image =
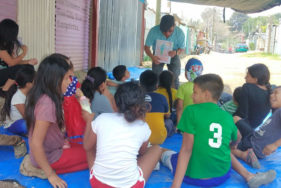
point(231, 106)
point(255, 94)
point(45, 123)
point(74, 122)
point(193, 68)
point(116, 143)
point(12, 112)
point(159, 108)
point(268, 138)
point(121, 74)
point(166, 82)
point(16, 141)
point(94, 88)
point(208, 133)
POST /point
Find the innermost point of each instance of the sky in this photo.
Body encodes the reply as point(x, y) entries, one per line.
point(185, 10)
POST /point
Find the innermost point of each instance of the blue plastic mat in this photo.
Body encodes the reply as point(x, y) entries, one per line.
point(135, 73)
point(9, 169)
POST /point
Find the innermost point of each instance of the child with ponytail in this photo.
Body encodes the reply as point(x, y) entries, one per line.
point(95, 89)
point(255, 104)
point(12, 112)
point(116, 143)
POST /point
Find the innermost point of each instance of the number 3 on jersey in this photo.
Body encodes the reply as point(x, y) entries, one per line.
point(215, 142)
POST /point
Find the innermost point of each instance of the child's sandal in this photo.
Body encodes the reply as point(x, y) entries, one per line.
point(20, 149)
point(252, 160)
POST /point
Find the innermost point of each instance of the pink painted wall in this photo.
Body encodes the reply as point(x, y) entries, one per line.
point(8, 9)
point(72, 31)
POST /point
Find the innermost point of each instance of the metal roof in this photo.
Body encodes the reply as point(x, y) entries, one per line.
point(244, 6)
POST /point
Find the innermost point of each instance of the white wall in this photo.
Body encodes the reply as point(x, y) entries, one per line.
point(36, 19)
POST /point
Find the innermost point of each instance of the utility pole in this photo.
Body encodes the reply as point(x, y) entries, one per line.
point(269, 35)
point(158, 12)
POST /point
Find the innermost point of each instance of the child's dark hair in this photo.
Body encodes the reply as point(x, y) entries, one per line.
point(48, 82)
point(166, 79)
point(9, 30)
point(148, 80)
point(95, 77)
point(262, 74)
point(24, 75)
point(129, 98)
point(119, 72)
point(237, 94)
point(166, 23)
point(210, 82)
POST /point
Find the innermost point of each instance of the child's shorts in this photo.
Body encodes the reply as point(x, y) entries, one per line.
point(200, 182)
point(95, 183)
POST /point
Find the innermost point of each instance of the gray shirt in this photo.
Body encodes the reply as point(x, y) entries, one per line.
point(268, 133)
point(100, 104)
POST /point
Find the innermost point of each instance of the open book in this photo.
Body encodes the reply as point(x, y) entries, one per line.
point(162, 49)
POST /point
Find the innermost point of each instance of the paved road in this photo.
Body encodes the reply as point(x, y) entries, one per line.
point(233, 67)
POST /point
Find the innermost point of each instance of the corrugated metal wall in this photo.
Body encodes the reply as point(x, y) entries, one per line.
point(36, 20)
point(119, 33)
point(72, 31)
point(8, 9)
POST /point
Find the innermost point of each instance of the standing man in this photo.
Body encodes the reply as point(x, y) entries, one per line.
point(169, 32)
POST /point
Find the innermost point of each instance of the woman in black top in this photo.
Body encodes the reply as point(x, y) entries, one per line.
point(254, 104)
point(10, 59)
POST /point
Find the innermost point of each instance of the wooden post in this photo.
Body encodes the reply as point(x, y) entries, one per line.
point(158, 12)
point(269, 36)
point(94, 34)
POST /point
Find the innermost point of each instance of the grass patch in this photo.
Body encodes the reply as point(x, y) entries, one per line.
point(263, 55)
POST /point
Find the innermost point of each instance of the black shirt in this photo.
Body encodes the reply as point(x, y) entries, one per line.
point(254, 105)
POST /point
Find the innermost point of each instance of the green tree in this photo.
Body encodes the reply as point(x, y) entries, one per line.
point(237, 20)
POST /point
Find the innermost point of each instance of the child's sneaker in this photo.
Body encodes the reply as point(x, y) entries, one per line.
point(262, 178)
point(27, 169)
point(166, 159)
point(20, 149)
point(252, 159)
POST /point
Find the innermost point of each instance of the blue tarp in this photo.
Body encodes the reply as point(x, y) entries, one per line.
point(9, 169)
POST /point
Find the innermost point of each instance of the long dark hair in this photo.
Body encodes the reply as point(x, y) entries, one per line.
point(95, 77)
point(9, 30)
point(24, 75)
point(129, 99)
point(262, 74)
point(166, 79)
point(48, 82)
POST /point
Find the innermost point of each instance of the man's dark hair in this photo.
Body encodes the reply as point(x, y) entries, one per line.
point(210, 82)
point(119, 72)
point(149, 80)
point(167, 22)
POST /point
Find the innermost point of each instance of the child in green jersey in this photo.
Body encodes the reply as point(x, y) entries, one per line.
point(205, 157)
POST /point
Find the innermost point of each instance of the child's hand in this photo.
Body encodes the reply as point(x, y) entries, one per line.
point(66, 144)
point(79, 93)
point(236, 118)
point(56, 181)
point(33, 61)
